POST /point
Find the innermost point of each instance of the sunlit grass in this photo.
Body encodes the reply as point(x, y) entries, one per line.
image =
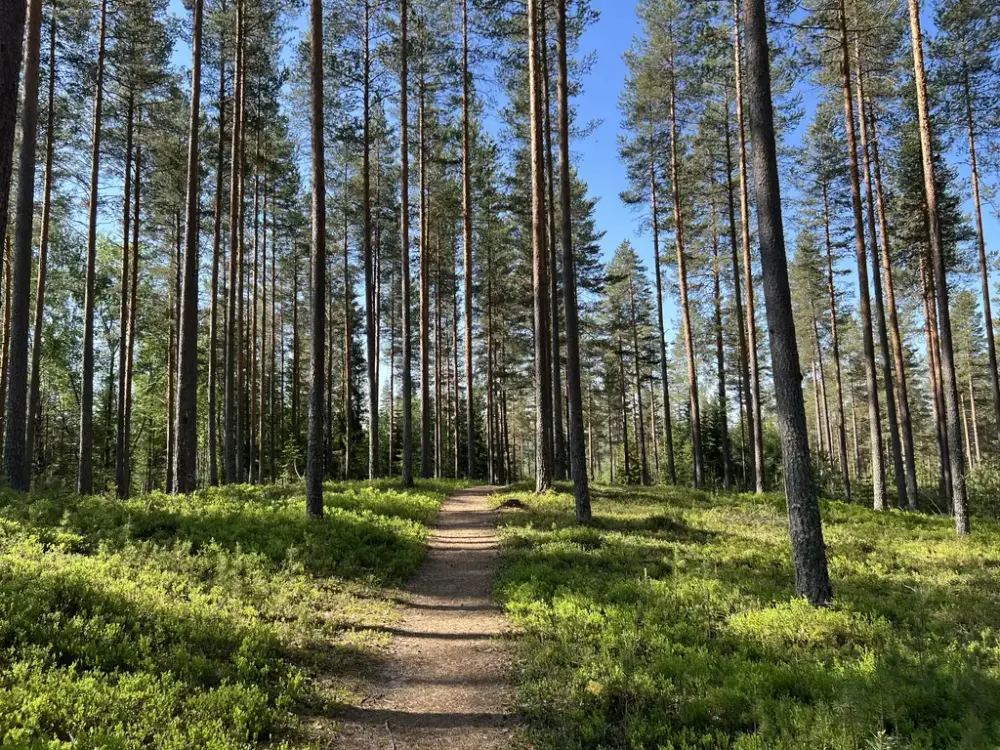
point(672, 623)
point(210, 621)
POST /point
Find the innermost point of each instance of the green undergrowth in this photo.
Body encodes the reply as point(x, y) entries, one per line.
point(209, 621)
point(671, 622)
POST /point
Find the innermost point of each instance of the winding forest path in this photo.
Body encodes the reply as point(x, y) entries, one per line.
point(445, 685)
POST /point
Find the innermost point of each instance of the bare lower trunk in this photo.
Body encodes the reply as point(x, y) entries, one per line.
point(948, 384)
point(314, 449)
point(871, 377)
point(404, 230)
point(805, 526)
point(85, 468)
point(543, 383)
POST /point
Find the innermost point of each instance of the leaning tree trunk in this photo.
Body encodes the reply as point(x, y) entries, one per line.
point(871, 377)
point(85, 468)
point(804, 524)
point(949, 386)
point(577, 452)
point(186, 418)
point(15, 452)
point(682, 284)
point(314, 449)
point(984, 275)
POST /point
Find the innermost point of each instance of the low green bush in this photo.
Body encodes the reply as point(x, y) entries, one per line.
point(183, 622)
point(671, 622)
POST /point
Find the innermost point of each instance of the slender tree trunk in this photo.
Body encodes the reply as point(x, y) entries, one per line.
point(370, 294)
point(934, 375)
point(949, 386)
point(668, 432)
point(213, 333)
point(805, 526)
point(871, 377)
point(624, 408)
point(425, 370)
point(745, 395)
point(828, 432)
point(558, 438)
point(470, 434)
point(348, 298)
point(43, 253)
point(133, 300)
point(975, 422)
point(543, 383)
point(880, 318)
point(262, 416)
point(121, 447)
point(85, 469)
point(577, 455)
point(965, 428)
point(682, 284)
point(404, 230)
point(984, 274)
point(640, 429)
point(720, 360)
point(493, 447)
point(186, 428)
point(899, 361)
point(314, 451)
point(230, 449)
point(756, 423)
point(831, 291)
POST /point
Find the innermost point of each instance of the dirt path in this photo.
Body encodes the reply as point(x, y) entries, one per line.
point(445, 684)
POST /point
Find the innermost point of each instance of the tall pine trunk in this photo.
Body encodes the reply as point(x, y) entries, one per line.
point(682, 283)
point(404, 270)
point(314, 449)
point(85, 468)
point(899, 361)
point(539, 265)
point(17, 467)
point(371, 328)
point(668, 432)
point(121, 448)
point(470, 434)
point(804, 524)
point(11, 47)
point(755, 425)
point(186, 420)
point(577, 452)
point(834, 335)
point(230, 448)
point(871, 377)
point(948, 382)
point(43, 254)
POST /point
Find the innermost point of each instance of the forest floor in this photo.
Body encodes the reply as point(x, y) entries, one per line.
point(444, 685)
point(220, 620)
point(671, 622)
